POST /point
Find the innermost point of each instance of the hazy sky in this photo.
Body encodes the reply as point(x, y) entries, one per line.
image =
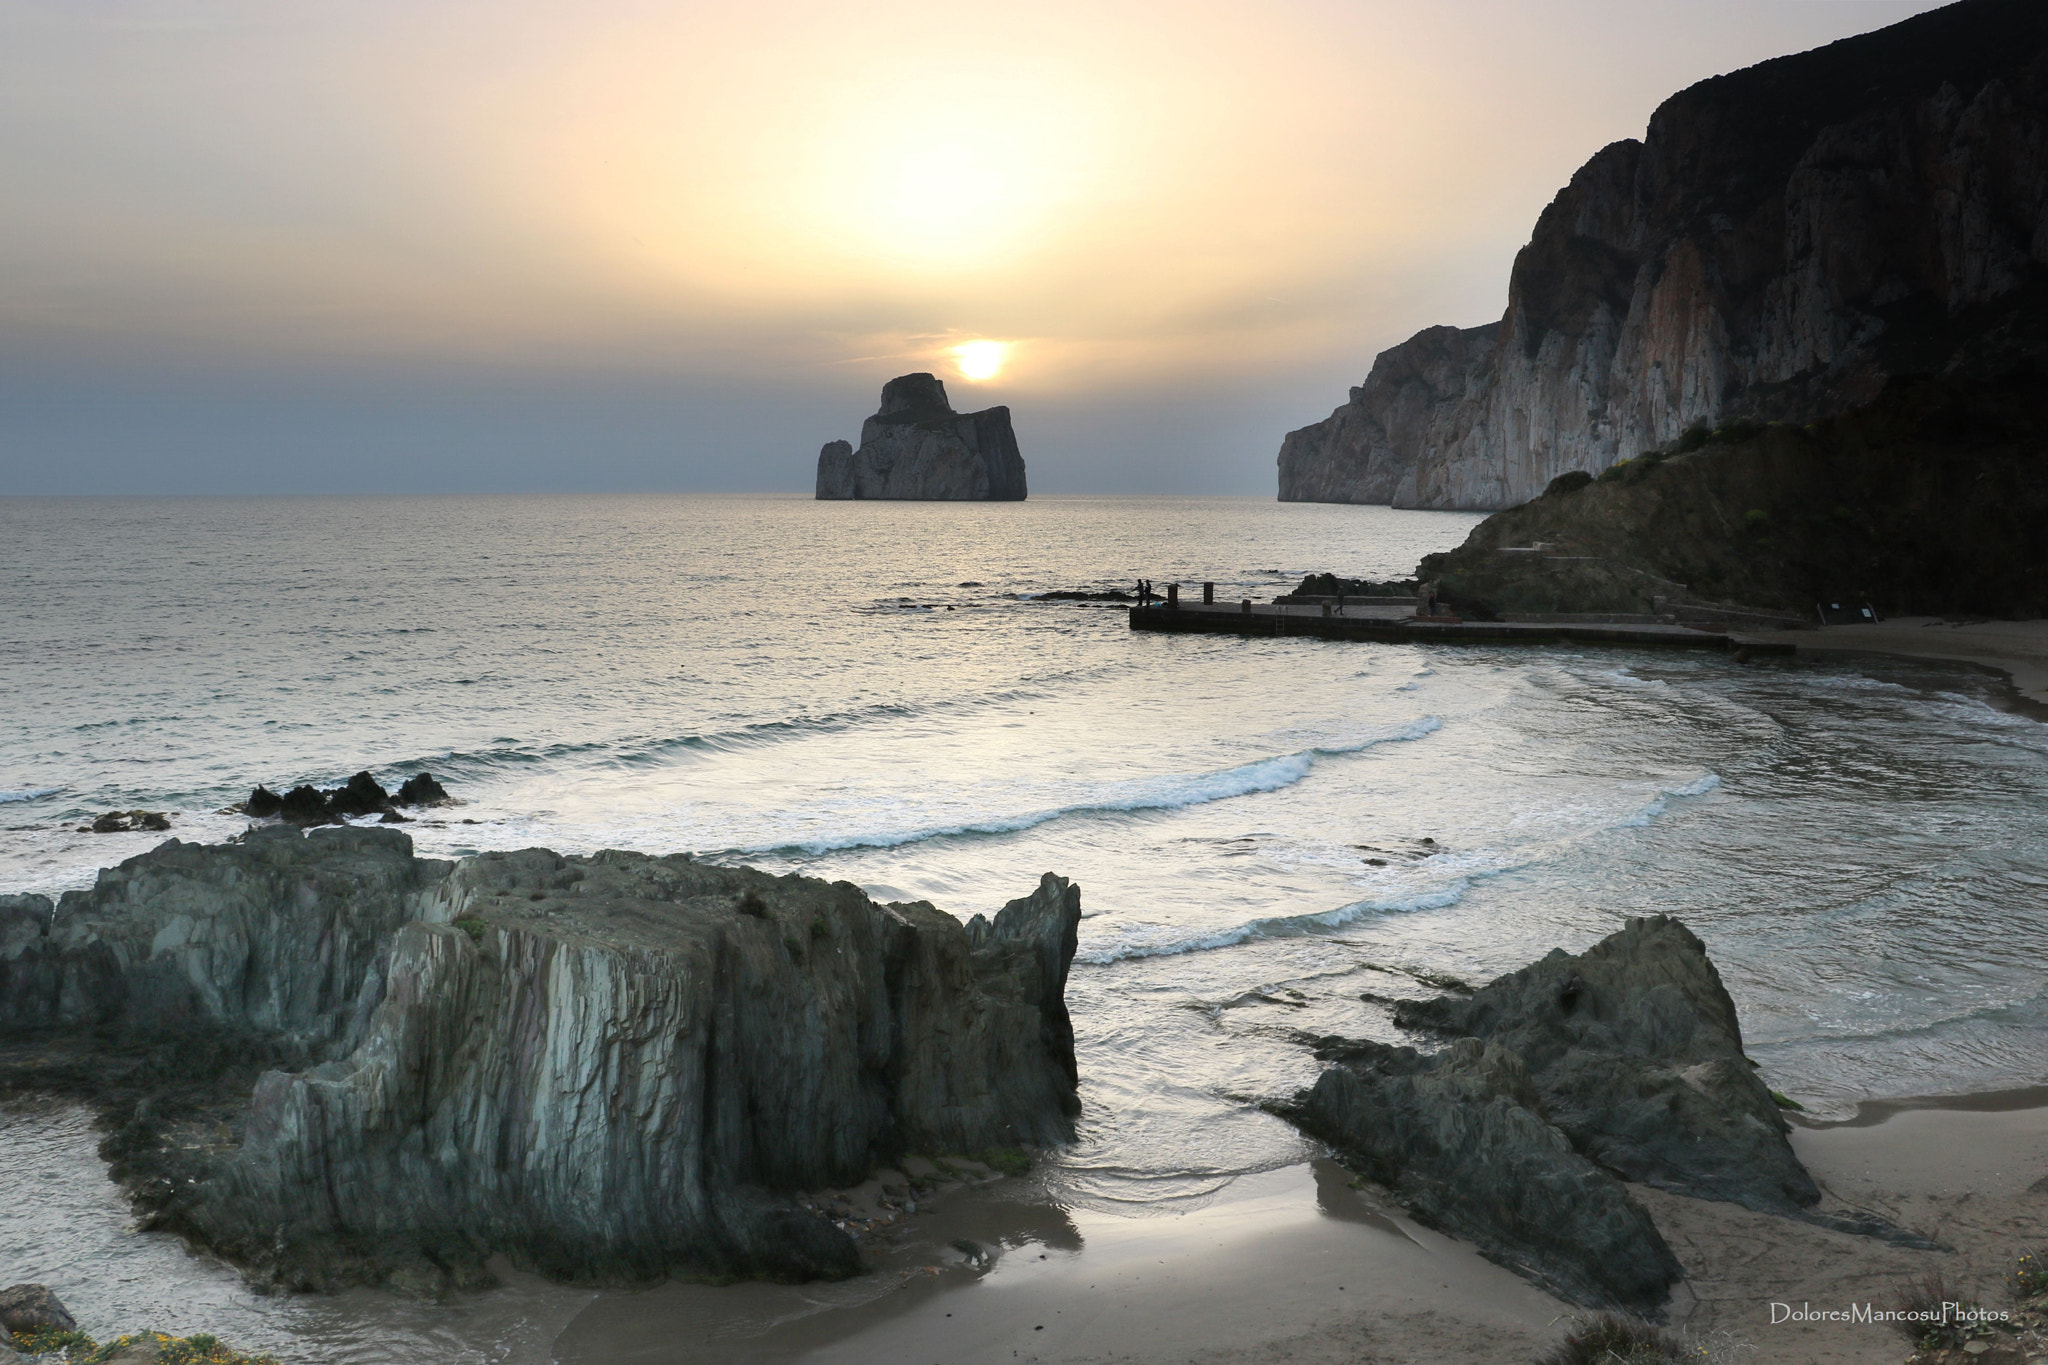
point(447, 245)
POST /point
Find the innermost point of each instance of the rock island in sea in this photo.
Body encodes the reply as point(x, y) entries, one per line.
point(916, 448)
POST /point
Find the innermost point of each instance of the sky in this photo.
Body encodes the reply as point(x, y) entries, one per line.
point(440, 246)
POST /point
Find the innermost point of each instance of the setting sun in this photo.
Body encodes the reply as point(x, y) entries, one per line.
point(980, 359)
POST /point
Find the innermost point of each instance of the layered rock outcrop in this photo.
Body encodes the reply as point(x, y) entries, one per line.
point(1635, 1050)
point(917, 448)
point(614, 1066)
point(1461, 1139)
point(1564, 1079)
point(1781, 240)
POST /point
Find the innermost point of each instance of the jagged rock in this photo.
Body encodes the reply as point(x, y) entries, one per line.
point(1781, 240)
point(33, 1308)
point(23, 920)
point(24, 925)
point(1462, 1141)
point(123, 821)
point(279, 934)
point(917, 447)
point(1635, 1049)
point(362, 795)
point(604, 1066)
point(305, 805)
point(422, 790)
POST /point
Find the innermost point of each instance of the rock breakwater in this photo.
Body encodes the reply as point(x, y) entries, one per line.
point(617, 1066)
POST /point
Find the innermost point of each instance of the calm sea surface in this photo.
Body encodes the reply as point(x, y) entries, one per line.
point(1263, 830)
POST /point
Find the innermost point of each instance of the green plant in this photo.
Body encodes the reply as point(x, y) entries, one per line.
point(471, 925)
point(1934, 1315)
point(201, 1348)
point(1784, 1101)
point(1008, 1160)
point(2026, 1275)
point(1570, 482)
point(1756, 518)
point(72, 1345)
point(1615, 1339)
point(751, 904)
point(819, 928)
point(1615, 472)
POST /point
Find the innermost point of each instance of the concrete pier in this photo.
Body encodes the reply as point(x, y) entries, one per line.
point(1399, 624)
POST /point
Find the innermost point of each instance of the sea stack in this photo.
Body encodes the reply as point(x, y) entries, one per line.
point(917, 448)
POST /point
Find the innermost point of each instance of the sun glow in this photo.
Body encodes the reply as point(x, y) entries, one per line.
point(980, 359)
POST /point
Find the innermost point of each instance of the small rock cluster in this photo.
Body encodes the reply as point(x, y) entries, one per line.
point(362, 795)
point(881, 1204)
point(126, 821)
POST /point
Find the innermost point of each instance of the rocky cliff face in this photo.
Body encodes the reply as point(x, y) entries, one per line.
point(917, 447)
point(1929, 500)
point(1781, 240)
point(608, 1066)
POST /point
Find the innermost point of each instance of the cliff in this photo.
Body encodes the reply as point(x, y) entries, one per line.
point(1781, 241)
point(917, 447)
point(613, 1066)
point(1928, 500)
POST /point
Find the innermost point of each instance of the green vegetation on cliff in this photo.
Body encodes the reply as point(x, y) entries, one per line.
point(1931, 499)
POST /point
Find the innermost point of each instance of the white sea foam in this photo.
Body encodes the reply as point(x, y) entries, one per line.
point(27, 794)
point(1140, 794)
point(1140, 941)
point(1276, 926)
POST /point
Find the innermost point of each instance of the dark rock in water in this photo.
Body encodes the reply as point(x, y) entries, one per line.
point(304, 805)
point(917, 447)
point(363, 795)
point(33, 1308)
point(1331, 585)
point(1781, 241)
point(1462, 1141)
point(601, 1067)
point(422, 790)
point(123, 821)
point(1082, 595)
point(1636, 1051)
point(263, 803)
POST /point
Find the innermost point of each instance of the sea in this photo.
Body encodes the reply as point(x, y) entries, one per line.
point(1274, 838)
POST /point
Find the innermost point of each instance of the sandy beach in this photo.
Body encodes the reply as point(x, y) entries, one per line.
point(2018, 649)
point(1297, 1265)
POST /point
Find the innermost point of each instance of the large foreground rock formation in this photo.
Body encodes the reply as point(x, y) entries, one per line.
point(617, 1065)
point(1781, 241)
point(917, 447)
point(1576, 1073)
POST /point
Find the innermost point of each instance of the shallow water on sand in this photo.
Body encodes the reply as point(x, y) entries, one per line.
point(1264, 830)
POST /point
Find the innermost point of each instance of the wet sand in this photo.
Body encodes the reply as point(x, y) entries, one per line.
point(1292, 1253)
point(2018, 649)
point(1295, 1265)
